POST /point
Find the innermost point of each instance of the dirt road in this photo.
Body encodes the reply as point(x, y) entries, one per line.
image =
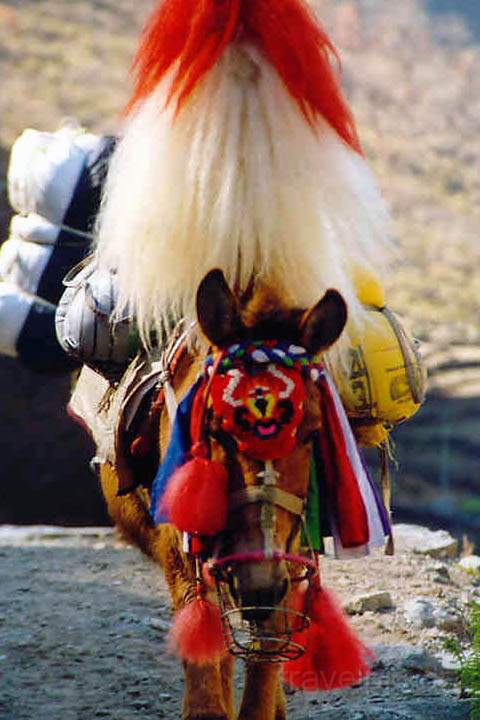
point(83, 620)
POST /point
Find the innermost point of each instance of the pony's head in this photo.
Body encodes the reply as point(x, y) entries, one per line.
point(262, 402)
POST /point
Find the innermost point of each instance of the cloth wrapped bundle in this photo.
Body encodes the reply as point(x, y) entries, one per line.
point(85, 329)
point(59, 175)
point(55, 182)
point(23, 261)
point(34, 229)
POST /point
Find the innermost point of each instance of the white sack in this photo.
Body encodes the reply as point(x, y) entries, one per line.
point(23, 263)
point(44, 170)
point(14, 308)
point(34, 228)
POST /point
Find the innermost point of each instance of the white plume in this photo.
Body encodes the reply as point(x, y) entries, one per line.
point(238, 181)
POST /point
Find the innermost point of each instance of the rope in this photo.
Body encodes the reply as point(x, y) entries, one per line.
point(386, 484)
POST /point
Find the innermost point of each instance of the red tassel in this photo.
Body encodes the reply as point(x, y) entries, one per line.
point(197, 634)
point(335, 657)
point(196, 497)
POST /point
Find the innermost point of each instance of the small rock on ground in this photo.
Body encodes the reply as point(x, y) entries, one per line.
point(471, 564)
point(373, 602)
point(421, 540)
point(419, 612)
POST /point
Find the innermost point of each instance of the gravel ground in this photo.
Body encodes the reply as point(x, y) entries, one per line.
point(83, 619)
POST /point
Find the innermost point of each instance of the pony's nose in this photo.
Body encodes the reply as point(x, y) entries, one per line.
point(258, 605)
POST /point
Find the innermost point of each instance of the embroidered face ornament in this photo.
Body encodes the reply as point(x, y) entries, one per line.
point(258, 391)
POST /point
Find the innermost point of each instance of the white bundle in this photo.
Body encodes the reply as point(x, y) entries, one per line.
point(26, 254)
point(15, 307)
point(54, 181)
point(44, 170)
point(34, 228)
point(23, 263)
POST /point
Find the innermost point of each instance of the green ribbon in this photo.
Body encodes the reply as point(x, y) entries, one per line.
point(313, 513)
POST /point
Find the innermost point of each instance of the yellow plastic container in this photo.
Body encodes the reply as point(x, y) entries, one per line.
point(386, 381)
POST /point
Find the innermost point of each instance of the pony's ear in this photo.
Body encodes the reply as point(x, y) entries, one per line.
point(217, 310)
point(324, 323)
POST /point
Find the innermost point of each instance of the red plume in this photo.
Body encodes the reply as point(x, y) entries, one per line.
point(194, 34)
point(334, 657)
point(197, 633)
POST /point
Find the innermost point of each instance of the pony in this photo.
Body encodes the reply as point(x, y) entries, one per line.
point(257, 545)
point(239, 203)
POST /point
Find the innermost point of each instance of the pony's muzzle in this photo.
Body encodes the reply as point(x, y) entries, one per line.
point(259, 587)
point(253, 592)
point(258, 605)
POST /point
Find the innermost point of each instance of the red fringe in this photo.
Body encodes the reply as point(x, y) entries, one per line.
point(194, 33)
point(343, 488)
point(335, 657)
point(197, 634)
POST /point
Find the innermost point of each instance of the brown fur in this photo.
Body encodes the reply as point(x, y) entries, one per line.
point(209, 690)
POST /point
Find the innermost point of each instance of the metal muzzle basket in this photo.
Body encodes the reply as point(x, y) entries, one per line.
point(262, 633)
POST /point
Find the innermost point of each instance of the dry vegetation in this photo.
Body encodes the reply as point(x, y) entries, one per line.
point(415, 87)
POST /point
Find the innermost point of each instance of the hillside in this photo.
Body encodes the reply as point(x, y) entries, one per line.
point(418, 104)
point(415, 88)
point(413, 82)
point(411, 71)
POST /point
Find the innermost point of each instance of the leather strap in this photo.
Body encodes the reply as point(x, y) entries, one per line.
point(269, 494)
point(418, 393)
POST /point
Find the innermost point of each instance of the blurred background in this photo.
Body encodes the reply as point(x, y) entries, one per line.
point(411, 71)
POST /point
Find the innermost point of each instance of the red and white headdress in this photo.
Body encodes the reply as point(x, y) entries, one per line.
point(239, 152)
